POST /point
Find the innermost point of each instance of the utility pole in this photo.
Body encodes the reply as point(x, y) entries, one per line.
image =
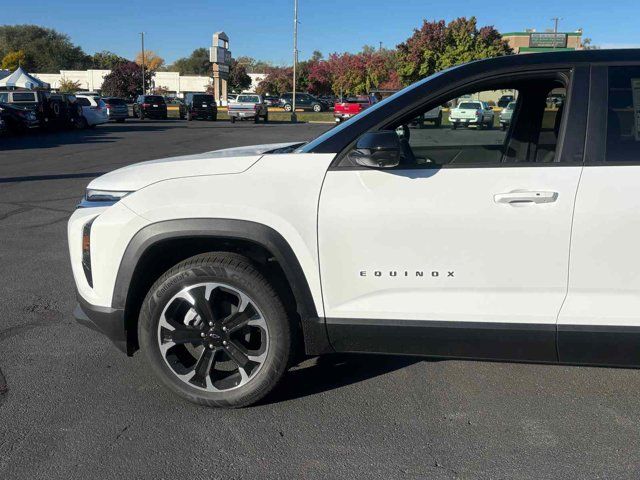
point(144, 90)
point(294, 117)
point(380, 47)
point(555, 30)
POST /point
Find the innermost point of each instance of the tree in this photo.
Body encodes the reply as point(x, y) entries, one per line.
point(254, 66)
point(160, 90)
point(587, 45)
point(436, 46)
point(195, 64)
point(46, 50)
point(106, 60)
point(316, 56)
point(125, 80)
point(238, 78)
point(278, 80)
point(152, 61)
point(69, 86)
point(15, 59)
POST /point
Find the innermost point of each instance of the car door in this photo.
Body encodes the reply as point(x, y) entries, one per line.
point(464, 250)
point(600, 319)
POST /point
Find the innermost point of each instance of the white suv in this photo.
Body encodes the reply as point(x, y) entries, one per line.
point(517, 245)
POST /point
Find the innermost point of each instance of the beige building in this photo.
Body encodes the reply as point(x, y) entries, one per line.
point(531, 41)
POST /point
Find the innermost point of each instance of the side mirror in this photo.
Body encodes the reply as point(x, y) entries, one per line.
point(377, 150)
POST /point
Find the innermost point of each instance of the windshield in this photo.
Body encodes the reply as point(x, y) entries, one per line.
point(203, 98)
point(369, 111)
point(469, 105)
point(248, 99)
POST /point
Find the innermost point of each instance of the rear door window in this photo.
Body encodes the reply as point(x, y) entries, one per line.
point(623, 115)
point(84, 102)
point(203, 99)
point(154, 99)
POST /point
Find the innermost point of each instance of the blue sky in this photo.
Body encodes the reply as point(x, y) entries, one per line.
point(263, 29)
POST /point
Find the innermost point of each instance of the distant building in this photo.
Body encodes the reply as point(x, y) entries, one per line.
point(531, 41)
point(176, 84)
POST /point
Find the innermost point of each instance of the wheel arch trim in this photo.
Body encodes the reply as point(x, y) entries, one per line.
point(314, 329)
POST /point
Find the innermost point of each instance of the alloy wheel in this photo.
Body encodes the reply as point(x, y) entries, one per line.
point(213, 337)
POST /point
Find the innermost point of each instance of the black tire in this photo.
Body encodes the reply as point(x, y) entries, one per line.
point(490, 125)
point(140, 114)
point(82, 123)
point(256, 119)
point(266, 118)
point(233, 119)
point(238, 273)
point(287, 107)
point(438, 122)
point(504, 127)
point(120, 120)
point(189, 117)
point(453, 126)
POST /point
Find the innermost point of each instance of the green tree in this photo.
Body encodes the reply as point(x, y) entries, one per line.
point(238, 78)
point(437, 45)
point(125, 80)
point(106, 60)
point(46, 50)
point(69, 86)
point(195, 64)
point(254, 66)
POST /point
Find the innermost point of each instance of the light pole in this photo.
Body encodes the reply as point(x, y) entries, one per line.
point(555, 31)
point(144, 90)
point(294, 117)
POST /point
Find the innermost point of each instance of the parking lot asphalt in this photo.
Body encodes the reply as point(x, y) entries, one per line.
point(77, 408)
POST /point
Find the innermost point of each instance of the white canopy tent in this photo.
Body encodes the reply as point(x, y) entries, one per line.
point(21, 79)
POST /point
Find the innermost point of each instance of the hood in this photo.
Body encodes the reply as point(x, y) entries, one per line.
point(218, 162)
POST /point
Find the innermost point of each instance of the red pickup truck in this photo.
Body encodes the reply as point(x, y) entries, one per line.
point(351, 106)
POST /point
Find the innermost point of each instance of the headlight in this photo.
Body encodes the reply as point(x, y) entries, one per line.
point(105, 195)
point(102, 198)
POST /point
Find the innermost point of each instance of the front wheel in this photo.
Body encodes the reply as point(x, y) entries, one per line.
point(287, 107)
point(317, 107)
point(214, 331)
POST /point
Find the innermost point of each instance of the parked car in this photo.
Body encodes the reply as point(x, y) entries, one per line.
point(272, 101)
point(175, 103)
point(505, 100)
point(304, 101)
point(554, 100)
point(117, 108)
point(434, 116)
point(200, 106)
point(17, 119)
point(94, 111)
point(248, 106)
point(506, 115)
point(150, 106)
point(471, 112)
point(348, 107)
point(53, 110)
point(221, 266)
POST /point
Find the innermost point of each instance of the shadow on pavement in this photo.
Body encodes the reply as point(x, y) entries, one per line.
point(51, 139)
point(329, 372)
point(3, 384)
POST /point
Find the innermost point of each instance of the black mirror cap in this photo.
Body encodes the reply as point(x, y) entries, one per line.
point(377, 150)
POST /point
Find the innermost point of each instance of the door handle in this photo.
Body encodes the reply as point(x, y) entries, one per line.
point(525, 197)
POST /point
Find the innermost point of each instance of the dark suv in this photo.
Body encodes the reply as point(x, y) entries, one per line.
point(201, 105)
point(150, 106)
point(304, 101)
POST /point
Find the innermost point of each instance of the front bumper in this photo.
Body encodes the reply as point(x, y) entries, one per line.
point(106, 320)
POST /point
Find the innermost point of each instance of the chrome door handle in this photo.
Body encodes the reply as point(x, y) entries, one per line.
point(525, 196)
